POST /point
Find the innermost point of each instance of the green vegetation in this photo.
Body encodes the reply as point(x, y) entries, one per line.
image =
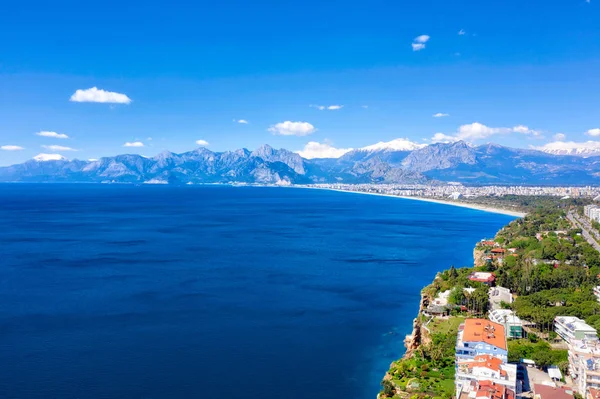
point(548, 266)
point(554, 270)
point(527, 203)
point(540, 352)
point(429, 372)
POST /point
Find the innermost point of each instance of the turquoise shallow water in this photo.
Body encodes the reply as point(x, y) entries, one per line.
point(214, 292)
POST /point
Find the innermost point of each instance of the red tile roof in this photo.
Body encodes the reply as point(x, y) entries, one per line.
point(482, 330)
point(491, 390)
point(593, 393)
point(482, 277)
point(548, 392)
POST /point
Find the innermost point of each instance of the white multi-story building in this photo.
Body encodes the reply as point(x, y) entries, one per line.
point(592, 212)
point(486, 368)
point(513, 326)
point(499, 295)
point(584, 364)
point(480, 337)
point(573, 328)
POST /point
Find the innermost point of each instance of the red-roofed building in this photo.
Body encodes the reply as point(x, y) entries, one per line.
point(593, 393)
point(480, 337)
point(541, 391)
point(486, 278)
point(490, 390)
point(486, 367)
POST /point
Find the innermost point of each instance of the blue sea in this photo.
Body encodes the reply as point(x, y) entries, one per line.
point(122, 291)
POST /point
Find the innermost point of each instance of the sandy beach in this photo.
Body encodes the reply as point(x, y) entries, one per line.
point(442, 202)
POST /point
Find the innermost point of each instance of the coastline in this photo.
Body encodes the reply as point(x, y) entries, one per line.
point(482, 208)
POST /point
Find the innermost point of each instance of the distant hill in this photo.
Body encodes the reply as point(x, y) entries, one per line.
point(395, 162)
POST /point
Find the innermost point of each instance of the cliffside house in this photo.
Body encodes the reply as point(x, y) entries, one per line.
point(486, 368)
point(486, 278)
point(480, 337)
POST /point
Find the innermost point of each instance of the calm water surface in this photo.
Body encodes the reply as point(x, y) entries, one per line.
point(214, 292)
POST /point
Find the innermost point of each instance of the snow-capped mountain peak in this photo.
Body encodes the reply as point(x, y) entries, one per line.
point(394, 145)
point(584, 149)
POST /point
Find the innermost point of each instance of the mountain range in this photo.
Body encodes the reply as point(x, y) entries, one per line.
point(380, 163)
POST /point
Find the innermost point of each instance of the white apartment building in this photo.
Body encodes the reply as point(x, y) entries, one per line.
point(513, 326)
point(573, 328)
point(584, 364)
point(592, 212)
point(498, 295)
point(485, 368)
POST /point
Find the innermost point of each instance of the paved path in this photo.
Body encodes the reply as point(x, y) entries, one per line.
point(585, 230)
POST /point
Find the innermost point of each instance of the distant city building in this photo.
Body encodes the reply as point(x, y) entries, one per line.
point(513, 326)
point(584, 364)
point(573, 328)
point(486, 278)
point(481, 337)
point(498, 295)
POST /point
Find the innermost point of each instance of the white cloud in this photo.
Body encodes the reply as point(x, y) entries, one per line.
point(242, 121)
point(289, 128)
point(443, 138)
point(440, 115)
point(364, 106)
point(333, 107)
point(559, 137)
point(593, 132)
point(418, 46)
point(478, 131)
point(202, 143)
point(321, 150)
point(422, 39)
point(53, 135)
point(58, 148)
point(49, 157)
point(462, 32)
point(95, 95)
point(11, 148)
point(92, 159)
point(133, 144)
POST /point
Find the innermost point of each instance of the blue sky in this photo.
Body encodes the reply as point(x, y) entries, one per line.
point(512, 72)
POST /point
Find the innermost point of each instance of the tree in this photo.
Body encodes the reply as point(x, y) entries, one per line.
point(453, 273)
point(457, 296)
point(388, 388)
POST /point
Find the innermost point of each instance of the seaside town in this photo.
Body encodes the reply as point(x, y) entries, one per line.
point(457, 190)
point(523, 321)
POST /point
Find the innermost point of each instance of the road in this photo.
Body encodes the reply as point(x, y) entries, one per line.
point(585, 229)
